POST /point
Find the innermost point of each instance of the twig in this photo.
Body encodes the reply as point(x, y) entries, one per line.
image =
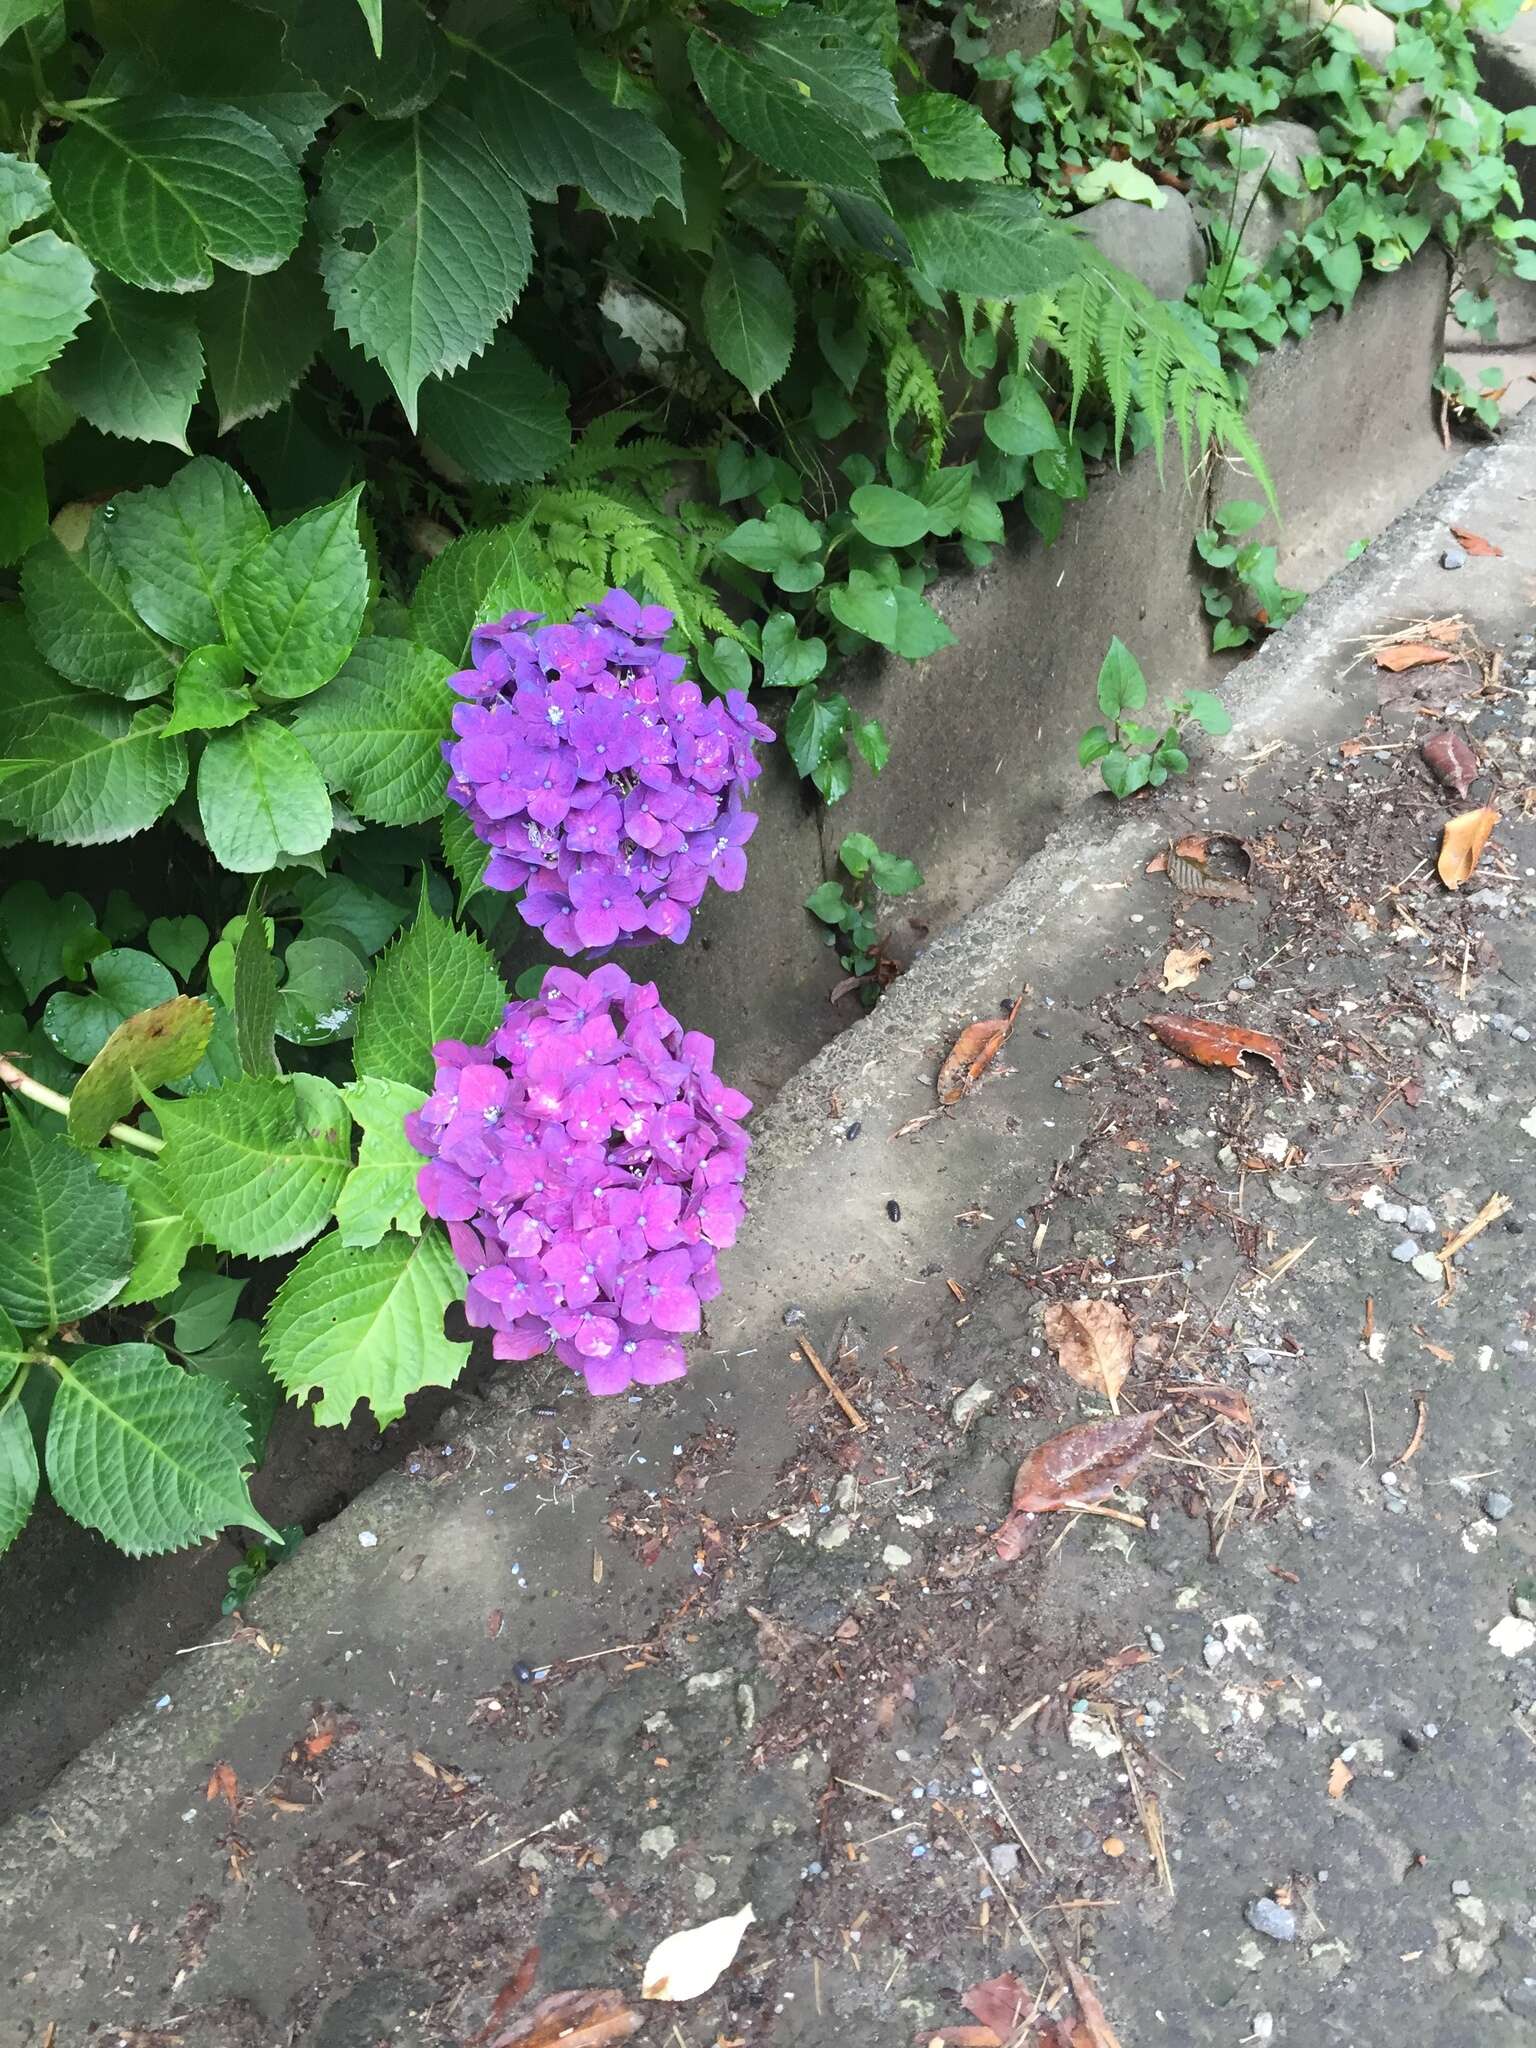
point(1007, 1816)
point(808, 1353)
point(587, 1656)
point(50, 1098)
point(1148, 1812)
point(560, 1820)
point(1370, 1456)
point(1495, 1207)
point(1420, 1424)
point(1003, 1892)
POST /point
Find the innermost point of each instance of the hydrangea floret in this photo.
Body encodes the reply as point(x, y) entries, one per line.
point(588, 1164)
point(609, 790)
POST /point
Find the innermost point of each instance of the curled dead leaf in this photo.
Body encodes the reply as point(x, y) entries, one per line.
point(1218, 1045)
point(1215, 865)
point(1400, 654)
point(1462, 843)
point(1474, 542)
point(999, 2003)
point(972, 1053)
point(1081, 1465)
point(574, 2019)
point(1450, 760)
point(1181, 968)
point(1225, 1401)
point(223, 1784)
point(1092, 1341)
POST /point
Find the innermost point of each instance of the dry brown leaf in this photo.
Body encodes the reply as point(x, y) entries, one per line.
point(1340, 1778)
point(972, 1053)
point(999, 2003)
point(1181, 969)
point(1461, 845)
point(517, 1986)
point(317, 1745)
point(1401, 654)
point(223, 1784)
point(1080, 1466)
point(1225, 1401)
point(574, 2019)
point(1218, 1045)
point(1092, 1341)
point(1450, 760)
point(1100, 2033)
point(1474, 542)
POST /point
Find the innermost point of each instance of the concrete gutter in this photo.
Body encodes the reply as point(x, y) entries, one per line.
point(381, 1617)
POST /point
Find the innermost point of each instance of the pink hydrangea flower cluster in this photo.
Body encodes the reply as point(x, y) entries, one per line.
point(610, 791)
point(588, 1165)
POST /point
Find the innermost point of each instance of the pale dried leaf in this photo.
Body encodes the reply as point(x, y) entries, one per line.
point(1340, 1778)
point(1181, 969)
point(1461, 845)
point(1092, 1341)
point(687, 1963)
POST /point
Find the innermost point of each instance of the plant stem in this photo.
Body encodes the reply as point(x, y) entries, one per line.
point(11, 1076)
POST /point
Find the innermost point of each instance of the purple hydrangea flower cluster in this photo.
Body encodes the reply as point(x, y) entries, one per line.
point(588, 1164)
point(610, 792)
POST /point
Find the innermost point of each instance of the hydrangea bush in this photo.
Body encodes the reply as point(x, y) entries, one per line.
point(587, 1163)
point(611, 792)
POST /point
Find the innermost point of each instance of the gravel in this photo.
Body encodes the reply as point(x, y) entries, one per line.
point(1264, 1916)
point(1497, 1505)
point(1453, 558)
point(1406, 1252)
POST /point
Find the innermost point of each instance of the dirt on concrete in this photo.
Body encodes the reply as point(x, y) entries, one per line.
point(1249, 1757)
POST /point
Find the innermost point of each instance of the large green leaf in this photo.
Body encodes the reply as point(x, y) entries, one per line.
point(135, 367)
point(153, 1457)
point(177, 546)
point(126, 982)
point(377, 731)
point(455, 590)
point(23, 493)
point(258, 1163)
point(503, 419)
point(15, 14)
point(426, 243)
point(260, 796)
point(951, 138)
point(987, 241)
point(260, 334)
point(528, 89)
point(30, 691)
point(380, 1193)
point(158, 189)
point(94, 776)
point(293, 606)
point(366, 1324)
point(46, 287)
point(779, 116)
point(162, 1235)
point(67, 1245)
point(831, 60)
point(749, 317)
point(398, 72)
point(433, 983)
point(19, 1475)
point(151, 1048)
point(82, 619)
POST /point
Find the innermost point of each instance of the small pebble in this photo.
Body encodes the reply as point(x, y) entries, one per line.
point(367, 1539)
point(1406, 1252)
point(1460, 1888)
point(1497, 1505)
point(1265, 1916)
point(1263, 2028)
point(1453, 558)
point(1421, 1221)
point(1429, 1268)
point(1392, 1212)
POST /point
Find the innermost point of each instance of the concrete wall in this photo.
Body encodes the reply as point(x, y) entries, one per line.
point(984, 735)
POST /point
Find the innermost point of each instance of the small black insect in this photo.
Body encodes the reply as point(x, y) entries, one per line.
point(852, 1132)
point(893, 1210)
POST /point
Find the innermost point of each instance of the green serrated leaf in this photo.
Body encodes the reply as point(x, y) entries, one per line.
point(46, 287)
point(466, 854)
point(179, 941)
point(19, 1475)
point(749, 317)
point(81, 617)
point(92, 778)
point(125, 981)
point(152, 1047)
point(253, 990)
point(135, 367)
point(258, 1163)
point(421, 188)
point(334, 45)
point(366, 1324)
point(157, 189)
point(777, 114)
point(177, 546)
point(377, 731)
point(234, 1360)
point(951, 138)
point(986, 241)
point(554, 128)
point(23, 493)
point(44, 939)
point(151, 1456)
point(260, 796)
point(433, 983)
point(454, 592)
point(335, 907)
point(162, 1235)
point(210, 692)
point(67, 1246)
point(260, 334)
point(294, 603)
point(380, 1194)
point(228, 54)
point(503, 419)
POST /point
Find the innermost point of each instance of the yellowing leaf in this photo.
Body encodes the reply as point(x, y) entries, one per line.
point(1462, 843)
point(1182, 967)
point(687, 1963)
point(1092, 1341)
